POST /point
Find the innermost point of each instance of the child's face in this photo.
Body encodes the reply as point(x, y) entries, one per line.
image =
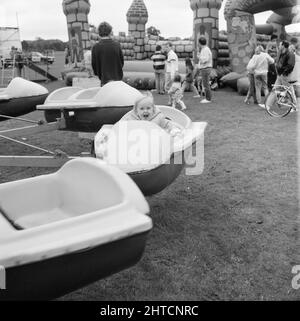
point(145, 109)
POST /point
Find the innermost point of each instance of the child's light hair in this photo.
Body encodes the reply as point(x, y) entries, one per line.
point(259, 49)
point(139, 100)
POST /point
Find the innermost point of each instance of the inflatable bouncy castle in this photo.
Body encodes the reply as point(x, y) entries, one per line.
point(231, 49)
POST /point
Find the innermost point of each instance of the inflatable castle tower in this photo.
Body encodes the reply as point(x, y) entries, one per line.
point(76, 12)
point(206, 23)
point(137, 17)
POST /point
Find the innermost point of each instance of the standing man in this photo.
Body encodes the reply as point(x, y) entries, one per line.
point(285, 63)
point(285, 66)
point(19, 62)
point(159, 62)
point(205, 65)
point(107, 56)
point(171, 67)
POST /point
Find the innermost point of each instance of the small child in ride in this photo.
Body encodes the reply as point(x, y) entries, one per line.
point(145, 109)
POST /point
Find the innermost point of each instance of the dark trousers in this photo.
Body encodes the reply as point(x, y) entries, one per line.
point(205, 75)
point(251, 90)
point(272, 76)
point(160, 81)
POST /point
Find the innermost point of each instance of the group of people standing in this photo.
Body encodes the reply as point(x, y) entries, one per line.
point(168, 79)
point(278, 64)
point(107, 63)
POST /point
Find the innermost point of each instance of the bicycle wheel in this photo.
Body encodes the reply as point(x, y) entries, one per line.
point(278, 105)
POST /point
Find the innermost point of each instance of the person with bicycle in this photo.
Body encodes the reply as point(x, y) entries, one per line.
point(285, 65)
point(295, 74)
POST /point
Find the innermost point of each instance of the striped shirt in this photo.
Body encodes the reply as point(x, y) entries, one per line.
point(158, 59)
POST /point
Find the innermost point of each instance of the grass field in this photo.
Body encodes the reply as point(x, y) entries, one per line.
point(228, 234)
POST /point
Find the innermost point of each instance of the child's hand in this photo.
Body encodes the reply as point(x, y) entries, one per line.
point(102, 151)
point(175, 132)
point(103, 138)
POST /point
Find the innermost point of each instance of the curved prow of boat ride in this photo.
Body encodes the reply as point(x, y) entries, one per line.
point(86, 110)
point(62, 231)
point(150, 155)
point(21, 97)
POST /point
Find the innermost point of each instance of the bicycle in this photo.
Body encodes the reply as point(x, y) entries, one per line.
point(281, 100)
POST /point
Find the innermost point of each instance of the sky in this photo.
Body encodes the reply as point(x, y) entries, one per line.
point(45, 18)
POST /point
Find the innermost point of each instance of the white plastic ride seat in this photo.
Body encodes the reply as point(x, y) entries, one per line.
point(80, 187)
point(113, 94)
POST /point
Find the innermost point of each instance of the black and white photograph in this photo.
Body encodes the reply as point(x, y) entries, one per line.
point(149, 151)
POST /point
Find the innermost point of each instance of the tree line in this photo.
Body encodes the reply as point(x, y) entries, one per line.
point(42, 45)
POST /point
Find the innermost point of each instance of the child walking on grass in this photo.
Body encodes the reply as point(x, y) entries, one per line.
point(189, 78)
point(176, 93)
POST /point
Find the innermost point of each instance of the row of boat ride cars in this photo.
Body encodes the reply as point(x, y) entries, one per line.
point(89, 219)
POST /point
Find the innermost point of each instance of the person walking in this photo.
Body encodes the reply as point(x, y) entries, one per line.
point(159, 62)
point(260, 65)
point(176, 93)
point(171, 66)
point(205, 66)
point(107, 56)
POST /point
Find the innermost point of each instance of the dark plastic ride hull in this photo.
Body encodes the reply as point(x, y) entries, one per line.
point(58, 276)
point(88, 119)
point(155, 180)
point(20, 106)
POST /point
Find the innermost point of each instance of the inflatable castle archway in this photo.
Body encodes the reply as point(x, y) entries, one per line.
point(242, 31)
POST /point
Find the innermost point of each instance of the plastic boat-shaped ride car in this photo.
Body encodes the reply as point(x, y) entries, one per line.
point(87, 110)
point(21, 97)
point(62, 231)
point(149, 154)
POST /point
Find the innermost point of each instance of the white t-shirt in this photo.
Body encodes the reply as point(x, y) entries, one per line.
point(172, 62)
point(259, 63)
point(205, 58)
